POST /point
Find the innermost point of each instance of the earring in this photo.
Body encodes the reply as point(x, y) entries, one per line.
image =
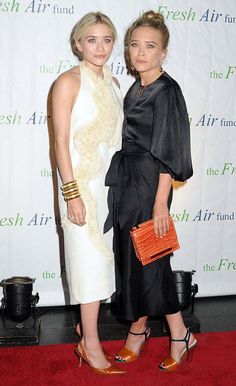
point(161, 69)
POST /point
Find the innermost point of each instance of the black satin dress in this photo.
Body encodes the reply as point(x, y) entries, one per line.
point(155, 140)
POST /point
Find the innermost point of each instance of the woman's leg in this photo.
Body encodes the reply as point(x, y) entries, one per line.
point(90, 339)
point(177, 331)
point(134, 342)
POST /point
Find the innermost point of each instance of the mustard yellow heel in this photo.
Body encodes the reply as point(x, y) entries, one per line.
point(111, 370)
point(78, 333)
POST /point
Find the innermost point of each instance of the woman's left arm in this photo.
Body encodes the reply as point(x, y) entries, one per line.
point(160, 209)
point(170, 142)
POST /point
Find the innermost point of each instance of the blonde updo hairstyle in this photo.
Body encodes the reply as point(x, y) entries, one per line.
point(148, 19)
point(83, 24)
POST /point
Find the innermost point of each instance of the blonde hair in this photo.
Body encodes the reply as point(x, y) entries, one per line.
point(85, 22)
point(148, 19)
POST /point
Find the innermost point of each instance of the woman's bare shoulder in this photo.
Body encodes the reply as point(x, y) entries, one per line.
point(68, 82)
point(70, 77)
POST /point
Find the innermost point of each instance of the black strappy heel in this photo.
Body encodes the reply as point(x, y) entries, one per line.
point(169, 363)
point(146, 333)
point(125, 355)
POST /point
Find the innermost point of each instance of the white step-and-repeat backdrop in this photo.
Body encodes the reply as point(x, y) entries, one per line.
point(35, 49)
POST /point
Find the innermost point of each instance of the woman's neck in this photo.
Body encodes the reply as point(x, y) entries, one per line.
point(98, 70)
point(149, 77)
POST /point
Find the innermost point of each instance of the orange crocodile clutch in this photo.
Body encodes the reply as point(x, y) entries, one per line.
point(149, 247)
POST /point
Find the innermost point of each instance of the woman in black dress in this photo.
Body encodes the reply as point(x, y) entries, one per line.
point(155, 150)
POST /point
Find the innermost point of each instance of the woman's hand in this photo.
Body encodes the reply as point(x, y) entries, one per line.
point(76, 211)
point(160, 219)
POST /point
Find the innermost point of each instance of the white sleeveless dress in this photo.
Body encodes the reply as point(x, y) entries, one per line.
point(95, 134)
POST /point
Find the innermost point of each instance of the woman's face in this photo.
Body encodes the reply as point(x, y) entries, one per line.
point(145, 49)
point(96, 45)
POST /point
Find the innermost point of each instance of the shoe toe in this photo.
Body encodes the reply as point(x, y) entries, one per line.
point(125, 355)
point(169, 364)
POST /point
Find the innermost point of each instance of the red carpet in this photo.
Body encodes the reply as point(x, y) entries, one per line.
point(213, 363)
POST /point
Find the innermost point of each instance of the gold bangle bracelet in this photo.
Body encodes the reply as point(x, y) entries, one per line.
point(69, 184)
point(72, 197)
point(72, 186)
point(69, 191)
point(66, 196)
point(71, 194)
point(72, 191)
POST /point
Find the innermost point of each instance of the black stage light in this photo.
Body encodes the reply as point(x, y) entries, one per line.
point(185, 290)
point(19, 320)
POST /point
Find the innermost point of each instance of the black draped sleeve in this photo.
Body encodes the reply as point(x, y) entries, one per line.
point(170, 142)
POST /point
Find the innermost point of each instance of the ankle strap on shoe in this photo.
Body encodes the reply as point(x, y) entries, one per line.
point(185, 339)
point(145, 333)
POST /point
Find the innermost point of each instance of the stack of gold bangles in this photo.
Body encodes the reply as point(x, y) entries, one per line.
point(70, 190)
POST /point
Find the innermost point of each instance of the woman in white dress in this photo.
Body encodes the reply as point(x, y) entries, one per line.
point(87, 116)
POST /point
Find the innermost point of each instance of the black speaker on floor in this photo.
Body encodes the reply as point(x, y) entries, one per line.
point(19, 321)
point(186, 291)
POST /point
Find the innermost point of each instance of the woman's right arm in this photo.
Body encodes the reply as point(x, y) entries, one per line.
point(63, 96)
